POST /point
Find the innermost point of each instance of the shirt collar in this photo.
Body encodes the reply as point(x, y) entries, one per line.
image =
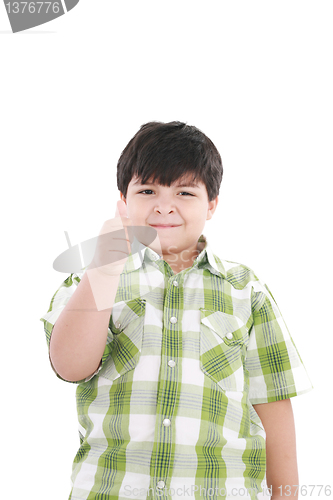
point(206, 259)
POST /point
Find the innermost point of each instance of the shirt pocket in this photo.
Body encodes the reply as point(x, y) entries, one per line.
point(223, 342)
point(126, 324)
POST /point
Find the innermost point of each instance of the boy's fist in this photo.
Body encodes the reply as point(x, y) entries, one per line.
point(112, 250)
point(114, 243)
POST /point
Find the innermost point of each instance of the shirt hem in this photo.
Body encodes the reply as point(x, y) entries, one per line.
point(257, 398)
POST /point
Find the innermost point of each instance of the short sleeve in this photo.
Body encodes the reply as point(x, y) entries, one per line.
point(275, 368)
point(57, 305)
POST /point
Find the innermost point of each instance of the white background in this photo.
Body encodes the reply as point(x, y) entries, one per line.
point(256, 77)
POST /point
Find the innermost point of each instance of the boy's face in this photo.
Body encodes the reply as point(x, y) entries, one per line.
point(183, 208)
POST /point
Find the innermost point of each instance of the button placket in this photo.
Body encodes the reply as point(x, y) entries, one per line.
point(168, 385)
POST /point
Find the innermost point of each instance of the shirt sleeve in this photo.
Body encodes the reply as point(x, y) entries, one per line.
point(57, 305)
point(275, 368)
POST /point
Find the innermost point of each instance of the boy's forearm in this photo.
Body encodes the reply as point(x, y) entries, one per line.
point(79, 335)
point(281, 458)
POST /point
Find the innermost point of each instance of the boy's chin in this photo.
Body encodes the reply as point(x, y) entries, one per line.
point(149, 237)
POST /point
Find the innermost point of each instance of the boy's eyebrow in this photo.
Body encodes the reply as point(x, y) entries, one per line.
point(187, 184)
point(180, 184)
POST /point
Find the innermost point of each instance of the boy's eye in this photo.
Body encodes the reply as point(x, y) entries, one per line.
point(152, 191)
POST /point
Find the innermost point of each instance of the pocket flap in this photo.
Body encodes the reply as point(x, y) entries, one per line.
point(229, 328)
point(123, 313)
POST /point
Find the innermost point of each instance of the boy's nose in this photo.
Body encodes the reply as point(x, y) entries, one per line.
point(164, 210)
point(164, 204)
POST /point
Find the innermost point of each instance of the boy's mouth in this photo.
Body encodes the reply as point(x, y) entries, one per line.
point(164, 226)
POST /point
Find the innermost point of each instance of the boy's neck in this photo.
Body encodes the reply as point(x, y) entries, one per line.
point(185, 261)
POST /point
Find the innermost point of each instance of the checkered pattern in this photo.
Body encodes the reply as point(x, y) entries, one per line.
point(169, 412)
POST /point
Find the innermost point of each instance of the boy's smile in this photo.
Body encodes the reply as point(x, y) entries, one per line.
point(178, 213)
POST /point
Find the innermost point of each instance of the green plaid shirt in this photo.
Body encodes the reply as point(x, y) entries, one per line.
point(169, 412)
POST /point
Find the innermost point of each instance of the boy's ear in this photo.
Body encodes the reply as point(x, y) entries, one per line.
point(122, 197)
point(212, 207)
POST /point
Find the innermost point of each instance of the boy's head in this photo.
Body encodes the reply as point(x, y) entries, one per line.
point(169, 175)
point(165, 152)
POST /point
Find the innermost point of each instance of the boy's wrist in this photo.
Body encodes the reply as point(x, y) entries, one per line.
point(104, 287)
point(107, 270)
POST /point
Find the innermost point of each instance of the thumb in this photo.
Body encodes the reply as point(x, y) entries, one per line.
point(121, 209)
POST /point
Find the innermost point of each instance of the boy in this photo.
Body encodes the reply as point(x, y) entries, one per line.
point(183, 362)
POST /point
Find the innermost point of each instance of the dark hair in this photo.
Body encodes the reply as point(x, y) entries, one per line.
point(165, 152)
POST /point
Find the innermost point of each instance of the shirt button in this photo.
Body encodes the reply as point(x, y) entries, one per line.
point(160, 484)
point(175, 283)
point(166, 422)
point(171, 363)
point(117, 324)
point(173, 319)
point(229, 336)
